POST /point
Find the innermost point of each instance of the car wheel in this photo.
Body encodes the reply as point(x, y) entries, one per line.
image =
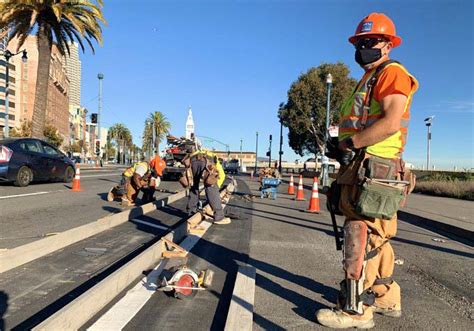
point(69, 174)
point(23, 177)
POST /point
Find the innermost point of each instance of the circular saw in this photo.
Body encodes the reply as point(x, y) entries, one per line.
point(184, 283)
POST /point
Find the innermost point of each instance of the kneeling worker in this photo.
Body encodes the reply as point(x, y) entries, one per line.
point(204, 165)
point(140, 176)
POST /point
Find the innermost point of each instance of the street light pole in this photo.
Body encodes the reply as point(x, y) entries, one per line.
point(281, 147)
point(8, 55)
point(241, 161)
point(428, 122)
point(270, 153)
point(326, 135)
point(256, 152)
point(100, 76)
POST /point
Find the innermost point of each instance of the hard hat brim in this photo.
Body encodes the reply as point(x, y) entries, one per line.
point(396, 40)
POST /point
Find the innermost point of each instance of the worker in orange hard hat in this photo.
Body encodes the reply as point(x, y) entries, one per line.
point(157, 165)
point(373, 181)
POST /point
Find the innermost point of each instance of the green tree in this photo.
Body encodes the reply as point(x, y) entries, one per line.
point(52, 135)
point(304, 113)
point(53, 21)
point(123, 139)
point(156, 121)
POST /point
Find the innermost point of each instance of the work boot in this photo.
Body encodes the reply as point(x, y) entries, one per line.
point(110, 196)
point(337, 319)
point(390, 312)
point(223, 221)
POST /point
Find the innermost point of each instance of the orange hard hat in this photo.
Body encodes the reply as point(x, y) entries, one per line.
point(377, 24)
point(158, 164)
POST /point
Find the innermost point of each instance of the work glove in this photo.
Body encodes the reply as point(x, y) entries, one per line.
point(345, 157)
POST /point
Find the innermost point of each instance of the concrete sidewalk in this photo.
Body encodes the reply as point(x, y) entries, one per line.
point(299, 269)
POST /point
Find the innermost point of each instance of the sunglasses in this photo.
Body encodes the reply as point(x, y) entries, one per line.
point(364, 43)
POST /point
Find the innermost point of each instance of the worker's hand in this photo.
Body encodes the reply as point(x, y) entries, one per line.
point(345, 157)
point(343, 146)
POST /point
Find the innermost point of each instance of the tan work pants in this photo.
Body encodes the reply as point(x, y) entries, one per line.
point(382, 265)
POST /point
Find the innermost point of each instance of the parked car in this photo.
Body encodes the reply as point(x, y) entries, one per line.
point(24, 160)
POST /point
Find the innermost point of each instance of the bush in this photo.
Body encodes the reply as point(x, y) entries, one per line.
point(451, 188)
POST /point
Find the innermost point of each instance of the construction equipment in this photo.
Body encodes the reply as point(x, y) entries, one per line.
point(183, 283)
point(269, 187)
point(176, 151)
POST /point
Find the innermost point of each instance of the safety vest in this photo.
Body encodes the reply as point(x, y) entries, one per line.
point(211, 156)
point(131, 170)
point(352, 112)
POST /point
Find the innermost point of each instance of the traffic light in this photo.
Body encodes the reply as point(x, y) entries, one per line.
point(94, 118)
point(97, 147)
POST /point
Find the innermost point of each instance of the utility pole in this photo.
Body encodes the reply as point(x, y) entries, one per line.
point(256, 152)
point(270, 153)
point(428, 123)
point(324, 158)
point(281, 147)
point(241, 160)
point(100, 76)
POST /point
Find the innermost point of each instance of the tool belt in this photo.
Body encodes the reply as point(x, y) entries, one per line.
point(210, 174)
point(380, 186)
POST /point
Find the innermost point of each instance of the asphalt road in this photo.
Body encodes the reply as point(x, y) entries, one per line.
point(299, 269)
point(32, 212)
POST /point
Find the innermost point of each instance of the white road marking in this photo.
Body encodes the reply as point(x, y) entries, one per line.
point(162, 227)
point(23, 195)
point(117, 317)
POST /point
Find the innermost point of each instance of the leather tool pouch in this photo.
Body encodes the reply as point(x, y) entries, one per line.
point(186, 179)
point(211, 174)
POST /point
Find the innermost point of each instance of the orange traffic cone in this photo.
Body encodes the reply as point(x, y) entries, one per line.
point(314, 201)
point(300, 193)
point(291, 187)
point(76, 183)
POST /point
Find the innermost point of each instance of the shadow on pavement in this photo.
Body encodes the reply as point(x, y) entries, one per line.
point(450, 231)
point(3, 309)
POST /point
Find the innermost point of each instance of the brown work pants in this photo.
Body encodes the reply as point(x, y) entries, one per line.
point(382, 265)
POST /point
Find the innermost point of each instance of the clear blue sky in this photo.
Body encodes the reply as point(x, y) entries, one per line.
point(234, 61)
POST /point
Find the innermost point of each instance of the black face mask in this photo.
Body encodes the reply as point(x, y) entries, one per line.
point(367, 56)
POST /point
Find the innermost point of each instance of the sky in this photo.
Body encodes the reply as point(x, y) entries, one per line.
point(234, 61)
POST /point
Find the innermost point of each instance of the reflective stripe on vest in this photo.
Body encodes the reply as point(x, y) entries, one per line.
point(352, 112)
point(130, 171)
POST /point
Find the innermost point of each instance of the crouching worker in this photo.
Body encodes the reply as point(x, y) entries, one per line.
point(139, 177)
point(204, 166)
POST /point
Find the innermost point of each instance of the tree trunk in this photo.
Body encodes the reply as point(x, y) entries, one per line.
point(42, 80)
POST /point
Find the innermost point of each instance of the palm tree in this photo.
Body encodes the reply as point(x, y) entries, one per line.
point(122, 137)
point(54, 21)
point(158, 123)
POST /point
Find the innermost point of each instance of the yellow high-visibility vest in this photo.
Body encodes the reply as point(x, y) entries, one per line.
point(220, 170)
point(351, 116)
point(131, 170)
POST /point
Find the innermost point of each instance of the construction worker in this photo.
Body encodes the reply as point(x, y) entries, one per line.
point(157, 165)
point(372, 135)
point(205, 166)
point(140, 176)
